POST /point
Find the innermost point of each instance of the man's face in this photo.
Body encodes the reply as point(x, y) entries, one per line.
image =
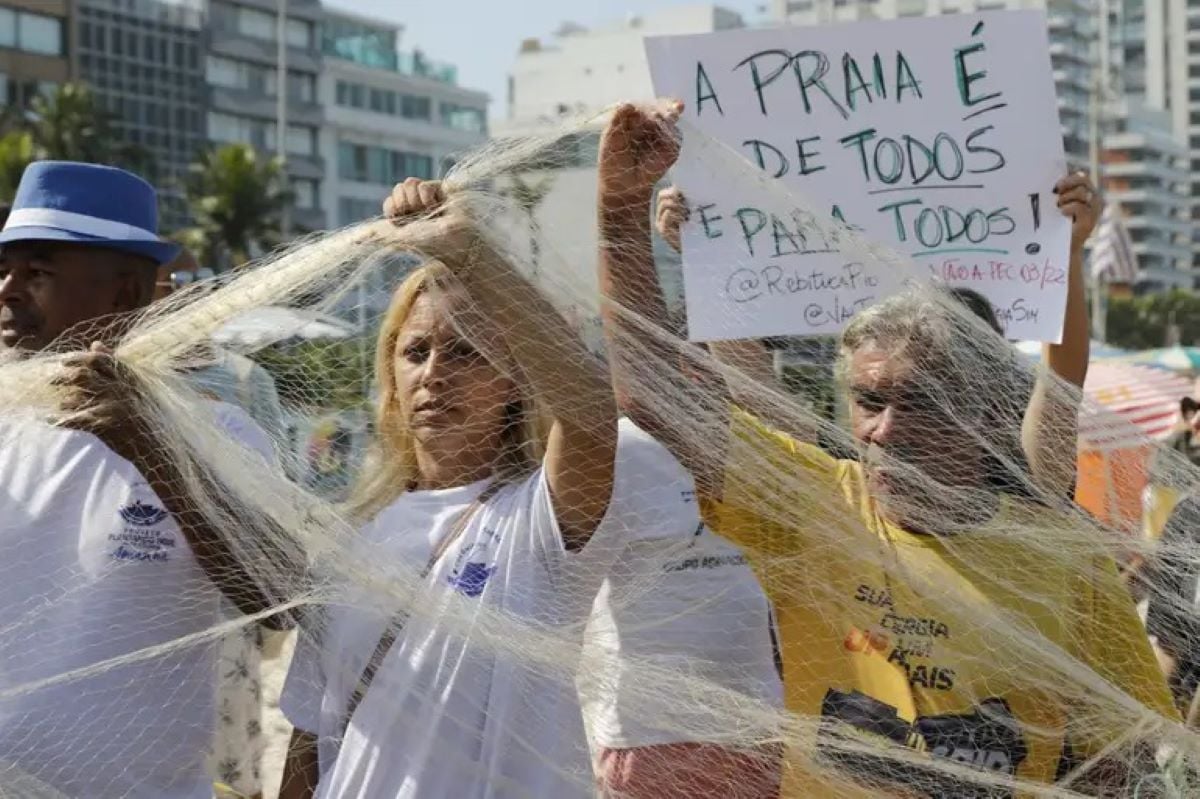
point(914, 436)
point(48, 288)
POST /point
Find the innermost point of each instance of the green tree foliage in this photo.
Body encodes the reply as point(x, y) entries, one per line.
point(1138, 323)
point(237, 198)
point(66, 125)
point(321, 375)
point(16, 153)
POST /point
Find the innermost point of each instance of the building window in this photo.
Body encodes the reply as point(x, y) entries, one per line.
point(223, 72)
point(304, 191)
point(299, 34)
point(463, 118)
point(301, 140)
point(352, 161)
point(415, 107)
point(380, 166)
point(31, 33)
point(301, 86)
point(229, 129)
point(417, 166)
point(256, 24)
point(351, 210)
point(8, 27)
point(261, 25)
point(231, 74)
point(377, 102)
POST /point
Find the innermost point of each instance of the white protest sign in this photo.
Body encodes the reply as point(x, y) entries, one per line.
point(937, 137)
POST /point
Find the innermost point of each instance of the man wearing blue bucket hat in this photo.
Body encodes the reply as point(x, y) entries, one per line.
point(116, 559)
point(80, 247)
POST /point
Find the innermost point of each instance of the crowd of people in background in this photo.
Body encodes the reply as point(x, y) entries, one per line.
point(546, 522)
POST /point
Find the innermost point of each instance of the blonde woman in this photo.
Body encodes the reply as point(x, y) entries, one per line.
point(468, 491)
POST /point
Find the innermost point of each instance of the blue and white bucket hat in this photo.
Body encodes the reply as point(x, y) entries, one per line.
point(89, 204)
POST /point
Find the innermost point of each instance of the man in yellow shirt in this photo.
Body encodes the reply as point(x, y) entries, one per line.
point(943, 631)
point(947, 642)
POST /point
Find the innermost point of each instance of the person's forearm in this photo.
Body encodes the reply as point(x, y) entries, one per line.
point(642, 343)
point(563, 375)
point(1050, 429)
point(1069, 358)
point(214, 552)
point(633, 311)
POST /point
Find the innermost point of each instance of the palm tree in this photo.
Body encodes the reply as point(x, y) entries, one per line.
point(65, 125)
point(236, 198)
point(69, 125)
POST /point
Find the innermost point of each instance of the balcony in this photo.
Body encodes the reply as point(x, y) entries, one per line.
point(366, 51)
point(264, 106)
point(311, 167)
point(301, 9)
point(232, 44)
point(1167, 252)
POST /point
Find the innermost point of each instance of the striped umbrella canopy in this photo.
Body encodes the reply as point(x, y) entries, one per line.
point(1130, 404)
point(1033, 350)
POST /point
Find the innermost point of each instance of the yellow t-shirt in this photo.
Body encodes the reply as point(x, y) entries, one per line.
point(913, 637)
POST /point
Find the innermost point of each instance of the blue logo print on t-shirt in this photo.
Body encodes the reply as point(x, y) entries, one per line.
point(471, 578)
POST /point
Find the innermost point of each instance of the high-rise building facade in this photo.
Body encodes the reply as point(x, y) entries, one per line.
point(1146, 176)
point(36, 48)
point(144, 62)
point(1155, 50)
point(390, 115)
point(241, 68)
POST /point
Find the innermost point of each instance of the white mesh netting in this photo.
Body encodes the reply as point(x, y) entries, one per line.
point(574, 557)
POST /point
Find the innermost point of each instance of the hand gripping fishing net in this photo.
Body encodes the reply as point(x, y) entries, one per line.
point(953, 626)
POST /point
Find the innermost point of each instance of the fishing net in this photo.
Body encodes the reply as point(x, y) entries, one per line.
point(498, 589)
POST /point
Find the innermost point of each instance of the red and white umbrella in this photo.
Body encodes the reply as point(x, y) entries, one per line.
point(1129, 405)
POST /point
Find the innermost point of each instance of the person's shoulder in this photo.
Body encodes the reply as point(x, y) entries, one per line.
point(39, 461)
point(30, 440)
point(756, 447)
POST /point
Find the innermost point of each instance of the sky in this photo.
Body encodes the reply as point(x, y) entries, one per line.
point(481, 37)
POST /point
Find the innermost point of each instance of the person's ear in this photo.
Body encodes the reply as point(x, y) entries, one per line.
point(134, 288)
point(126, 293)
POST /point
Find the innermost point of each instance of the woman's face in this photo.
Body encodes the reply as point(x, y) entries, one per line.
point(453, 398)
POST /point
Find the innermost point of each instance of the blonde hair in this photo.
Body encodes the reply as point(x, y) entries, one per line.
point(391, 467)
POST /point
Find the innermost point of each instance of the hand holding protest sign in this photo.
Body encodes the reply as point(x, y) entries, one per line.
point(937, 138)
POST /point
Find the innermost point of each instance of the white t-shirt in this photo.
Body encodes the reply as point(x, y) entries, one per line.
point(680, 621)
point(93, 568)
point(444, 718)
